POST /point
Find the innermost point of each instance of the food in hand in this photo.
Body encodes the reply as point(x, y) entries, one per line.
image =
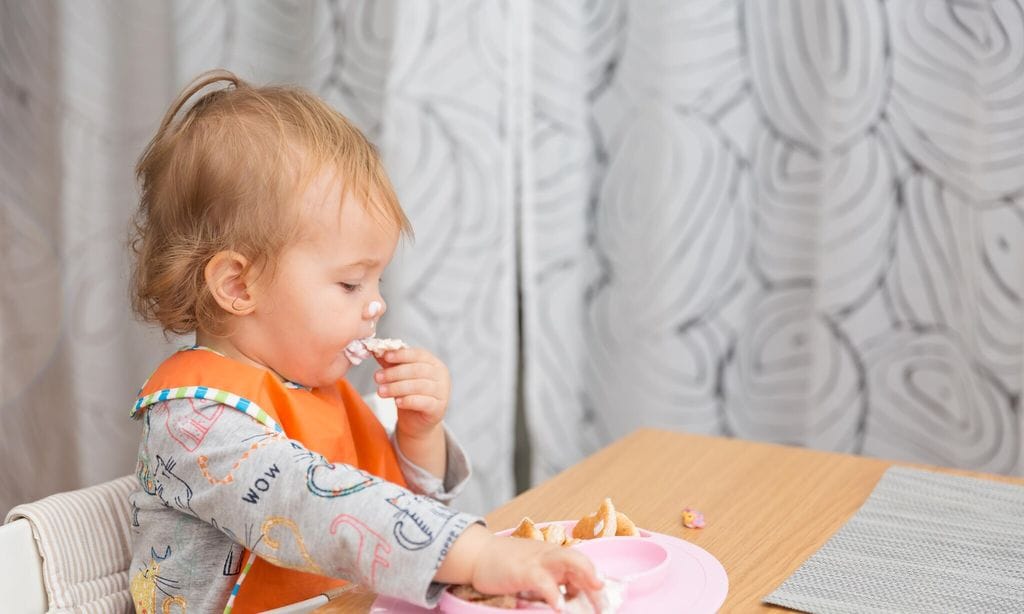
point(606, 601)
point(468, 593)
point(379, 346)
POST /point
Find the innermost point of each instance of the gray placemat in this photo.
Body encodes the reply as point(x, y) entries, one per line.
point(922, 542)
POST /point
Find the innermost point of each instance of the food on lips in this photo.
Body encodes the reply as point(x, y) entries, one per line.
point(361, 349)
point(379, 346)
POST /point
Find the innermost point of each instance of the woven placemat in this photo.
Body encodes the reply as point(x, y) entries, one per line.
point(922, 542)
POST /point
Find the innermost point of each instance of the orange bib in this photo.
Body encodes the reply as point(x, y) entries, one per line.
point(333, 421)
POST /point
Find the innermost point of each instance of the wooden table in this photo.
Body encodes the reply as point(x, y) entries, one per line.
point(768, 507)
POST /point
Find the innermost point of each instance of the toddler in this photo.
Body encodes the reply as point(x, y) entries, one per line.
point(265, 222)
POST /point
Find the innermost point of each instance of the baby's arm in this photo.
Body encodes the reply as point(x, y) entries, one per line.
point(293, 508)
point(421, 481)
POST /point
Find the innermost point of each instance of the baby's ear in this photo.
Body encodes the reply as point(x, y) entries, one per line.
point(226, 277)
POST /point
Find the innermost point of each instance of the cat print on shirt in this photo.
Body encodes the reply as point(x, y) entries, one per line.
point(419, 521)
point(172, 490)
point(144, 586)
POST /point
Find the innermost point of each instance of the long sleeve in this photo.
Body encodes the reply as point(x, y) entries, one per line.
point(271, 495)
point(457, 467)
point(457, 471)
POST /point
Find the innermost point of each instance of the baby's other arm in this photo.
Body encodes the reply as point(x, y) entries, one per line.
point(292, 507)
point(421, 481)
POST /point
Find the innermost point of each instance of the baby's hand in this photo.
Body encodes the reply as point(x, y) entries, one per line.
point(512, 565)
point(420, 384)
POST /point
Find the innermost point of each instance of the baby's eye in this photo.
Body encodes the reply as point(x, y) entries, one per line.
point(349, 287)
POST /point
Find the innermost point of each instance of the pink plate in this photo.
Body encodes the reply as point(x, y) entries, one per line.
point(690, 580)
point(639, 562)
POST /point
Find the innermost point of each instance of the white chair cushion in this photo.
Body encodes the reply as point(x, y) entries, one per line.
point(83, 538)
point(21, 570)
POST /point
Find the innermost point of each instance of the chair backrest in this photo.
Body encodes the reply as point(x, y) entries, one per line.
point(21, 569)
point(82, 541)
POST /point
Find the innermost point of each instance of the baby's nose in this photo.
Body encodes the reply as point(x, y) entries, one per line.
point(375, 309)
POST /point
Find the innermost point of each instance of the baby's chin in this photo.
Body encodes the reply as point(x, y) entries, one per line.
point(329, 376)
point(339, 369)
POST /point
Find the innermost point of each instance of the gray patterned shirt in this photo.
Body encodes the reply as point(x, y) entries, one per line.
point(213, 481)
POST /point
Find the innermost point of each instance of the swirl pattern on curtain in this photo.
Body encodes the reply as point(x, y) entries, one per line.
point(793, 221)
point(802, 223)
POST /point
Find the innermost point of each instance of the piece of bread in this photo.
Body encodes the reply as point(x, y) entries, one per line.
point(466, 592)
point(379, 346)
point(601, 523)
point(624, 526)
point(506, 602)
point(528, 530)
point(554, 534)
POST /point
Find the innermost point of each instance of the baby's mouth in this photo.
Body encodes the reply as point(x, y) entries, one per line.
point(356, 351)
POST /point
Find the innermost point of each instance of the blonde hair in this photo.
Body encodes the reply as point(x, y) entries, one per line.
point(223, 177)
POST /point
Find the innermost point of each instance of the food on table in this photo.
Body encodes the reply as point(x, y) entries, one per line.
point(692, 519)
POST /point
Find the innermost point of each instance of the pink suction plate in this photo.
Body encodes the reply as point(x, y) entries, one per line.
point(663, 573)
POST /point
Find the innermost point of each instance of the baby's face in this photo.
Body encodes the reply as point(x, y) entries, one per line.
point(324, 288)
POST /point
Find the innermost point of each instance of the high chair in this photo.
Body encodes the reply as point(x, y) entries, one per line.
point(68, 552)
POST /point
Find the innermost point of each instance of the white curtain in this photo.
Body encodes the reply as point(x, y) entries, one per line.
point(796, 221)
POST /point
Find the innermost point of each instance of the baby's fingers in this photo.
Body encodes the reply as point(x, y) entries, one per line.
point(580, 571)
point(585, 579)
point(405, 355)
point(416, 402)
point(547, 589)
point(413, 370)
point(424, 387)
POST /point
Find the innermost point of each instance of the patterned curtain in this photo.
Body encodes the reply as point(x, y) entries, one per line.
point(794, 221)
point(83, 87)
point(799, 221)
